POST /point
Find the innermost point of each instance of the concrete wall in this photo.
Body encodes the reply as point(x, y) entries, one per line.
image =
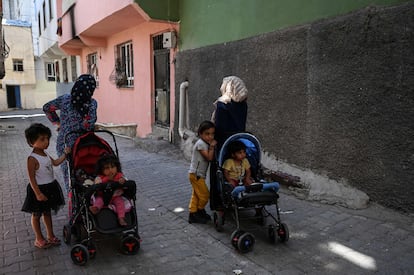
point(208, 22)
point(331, 100)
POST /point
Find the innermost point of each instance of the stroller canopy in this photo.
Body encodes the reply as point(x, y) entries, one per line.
point(86, 151)
point(253, 150)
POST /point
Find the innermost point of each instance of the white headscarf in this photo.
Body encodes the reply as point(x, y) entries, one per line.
point(232, 88)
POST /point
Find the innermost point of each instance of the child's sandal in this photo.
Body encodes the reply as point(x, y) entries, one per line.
point(54, 241)
point(42, 244)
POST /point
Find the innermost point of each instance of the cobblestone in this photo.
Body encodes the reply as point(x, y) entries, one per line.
point(323, 238)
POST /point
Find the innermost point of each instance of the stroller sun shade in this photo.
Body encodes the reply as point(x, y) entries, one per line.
point(86, 151)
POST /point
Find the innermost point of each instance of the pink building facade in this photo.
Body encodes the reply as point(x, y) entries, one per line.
point(130, 55)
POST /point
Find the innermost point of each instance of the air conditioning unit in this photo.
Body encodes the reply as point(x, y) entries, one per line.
point(169, 40)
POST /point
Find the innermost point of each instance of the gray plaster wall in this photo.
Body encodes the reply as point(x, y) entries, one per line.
point(335, 97)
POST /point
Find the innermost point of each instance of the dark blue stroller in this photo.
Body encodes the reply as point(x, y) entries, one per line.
point(259, 195)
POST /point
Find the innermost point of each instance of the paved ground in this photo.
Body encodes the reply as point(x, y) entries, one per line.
point(323, 238)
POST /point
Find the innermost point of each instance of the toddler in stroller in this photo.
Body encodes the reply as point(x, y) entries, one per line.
point(237, 168)
point(86, 220)
point(109, 169)
point(245, 193)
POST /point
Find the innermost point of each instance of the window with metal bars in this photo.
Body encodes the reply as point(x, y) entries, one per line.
point(92, 61)
point(124, 65)
point(18, 65)
point(50, 71)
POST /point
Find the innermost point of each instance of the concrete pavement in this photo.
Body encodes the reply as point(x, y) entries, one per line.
point(323, 238)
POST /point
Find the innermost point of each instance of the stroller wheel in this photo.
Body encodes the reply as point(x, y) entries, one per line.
point(271, 233)
point(90, 245)
point(283, 232)
point(130, 245)
point(79, 254)
point(219, 221)
point(235, 237)
point(245, 242)
point(67, 233)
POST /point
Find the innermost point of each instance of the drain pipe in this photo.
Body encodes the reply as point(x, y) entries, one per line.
point(183, 117)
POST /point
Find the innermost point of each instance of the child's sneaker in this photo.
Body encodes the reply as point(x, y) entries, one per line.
point(196, 218)
point(204, 214)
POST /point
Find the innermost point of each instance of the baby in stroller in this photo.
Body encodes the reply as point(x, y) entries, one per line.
point(237, 171)
point(241, 186)
point(109, 169)
point(237, 167)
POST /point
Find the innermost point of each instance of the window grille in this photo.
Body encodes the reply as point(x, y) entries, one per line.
point(50, 71)
point(124, 65)
point(92, 66)
point(18, 65)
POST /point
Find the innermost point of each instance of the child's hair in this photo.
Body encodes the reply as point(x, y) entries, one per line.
point(236, 146)
point(205, 125)
point(105, 160)
point(35, 131)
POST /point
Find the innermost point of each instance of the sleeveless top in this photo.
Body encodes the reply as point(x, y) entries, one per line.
point(44, 174)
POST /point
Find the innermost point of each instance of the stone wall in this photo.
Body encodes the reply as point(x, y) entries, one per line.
point(334, 97)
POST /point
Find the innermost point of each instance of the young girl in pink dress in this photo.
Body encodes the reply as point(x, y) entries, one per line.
point(109, 169)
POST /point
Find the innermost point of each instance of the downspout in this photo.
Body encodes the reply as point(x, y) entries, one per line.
point(183, 118)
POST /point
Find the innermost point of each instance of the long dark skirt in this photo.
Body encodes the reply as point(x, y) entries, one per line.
point(55, 199)
point(215, 198)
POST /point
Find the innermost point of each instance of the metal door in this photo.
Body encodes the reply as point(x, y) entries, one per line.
point(162, 82)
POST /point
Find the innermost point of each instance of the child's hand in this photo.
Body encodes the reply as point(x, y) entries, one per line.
point(66, 150)
point(57, 126)
point(122, 180)
point(213, 143)
point(98, 180)
point(41, 197)
point(248, 181)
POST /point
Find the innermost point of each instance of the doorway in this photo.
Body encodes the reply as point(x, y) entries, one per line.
point(13, 96)
point(161, 82)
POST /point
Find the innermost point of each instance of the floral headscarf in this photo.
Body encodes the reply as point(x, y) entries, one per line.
point(81, 94)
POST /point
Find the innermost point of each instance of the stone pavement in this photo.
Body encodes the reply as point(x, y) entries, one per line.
point(323, 238)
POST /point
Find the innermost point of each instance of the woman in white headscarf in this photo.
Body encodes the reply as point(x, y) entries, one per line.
point(229, 117)
point(230, 113)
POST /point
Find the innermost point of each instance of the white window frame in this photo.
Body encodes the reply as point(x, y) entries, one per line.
point(92, 60)
point(50, 71)
point(18, 65)
point(125, 64)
